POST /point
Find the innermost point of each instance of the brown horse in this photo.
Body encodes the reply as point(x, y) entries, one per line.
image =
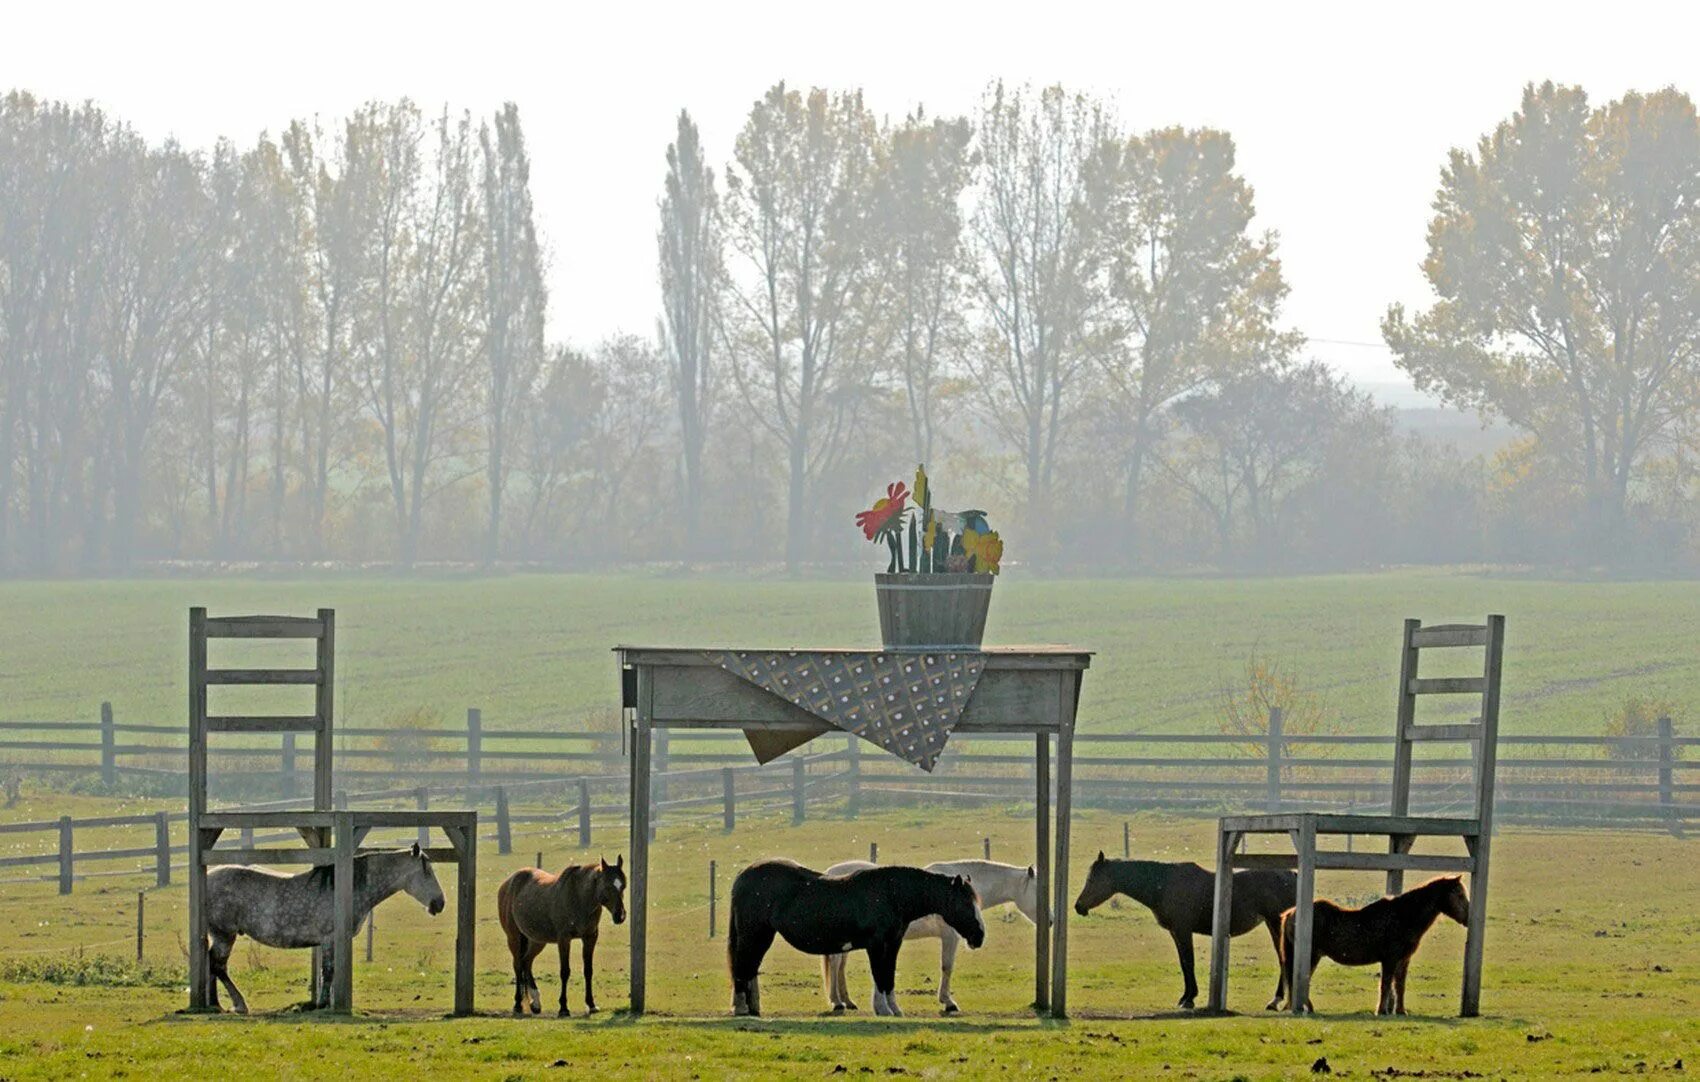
point(537, 908)
point(1385, 931)
point(1183, 899)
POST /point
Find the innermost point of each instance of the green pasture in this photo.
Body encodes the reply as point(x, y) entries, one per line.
point(534, 649)
point(1593, 966)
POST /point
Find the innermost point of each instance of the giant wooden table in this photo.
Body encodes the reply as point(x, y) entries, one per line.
point(1023, 689)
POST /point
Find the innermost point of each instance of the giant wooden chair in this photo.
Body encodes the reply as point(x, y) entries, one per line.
point(1400, 827)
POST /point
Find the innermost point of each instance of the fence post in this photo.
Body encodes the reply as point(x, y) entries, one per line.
point(422, 799)
point(1127, 841)
point(161, 850)
point(728, 800)
point(799, 795)
point(853, 803)
point(339, 800)
point(873, 852)
point(711, 899)
point(247, 837)
point(584, 813)
point(1272, 799)
point(504, 830)
point(141, 910)
point(658, 790)
point(65, 855)
point(286, 766)
point(108, 743)
point(1666, 755)
point(475, 743)
point(988, 842)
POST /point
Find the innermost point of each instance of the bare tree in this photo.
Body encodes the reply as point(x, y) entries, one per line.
point(691, 269)
point(925, 167)
point(796, 216)
point(418, 337)
point(515, 300)
point(1041, 193)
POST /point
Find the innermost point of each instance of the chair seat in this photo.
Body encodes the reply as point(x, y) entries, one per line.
point(1329, 823)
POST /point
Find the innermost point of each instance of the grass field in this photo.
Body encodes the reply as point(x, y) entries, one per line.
point(1593, 966)
point(535, 647)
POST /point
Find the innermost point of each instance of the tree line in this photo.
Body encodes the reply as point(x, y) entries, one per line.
point(330, 344)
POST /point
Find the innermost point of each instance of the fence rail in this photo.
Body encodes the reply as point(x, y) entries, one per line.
point(568, 782)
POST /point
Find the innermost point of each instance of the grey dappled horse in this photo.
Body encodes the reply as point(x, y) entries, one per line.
point(293, 911)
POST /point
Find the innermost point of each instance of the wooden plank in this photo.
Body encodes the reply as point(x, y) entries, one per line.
point(1434, 826)
point(1492, 667)
point(1334, 860)
point(293, 820)
point(1304, 916)
point(465, 839)
point(230, 723)
point(1065, 823)
point(264, 627)
point(1450, 635)
point(199, 964)
point(438, 818)
point(1222, 917)
point(1448, 685)
point(222, 855)
point(1042, 865)
point(258, 677)
point(342, 939)
point(324, 705)
point(638, 883)
point(1463, 730)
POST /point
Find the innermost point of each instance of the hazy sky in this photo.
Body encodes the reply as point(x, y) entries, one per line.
point(1343, 113)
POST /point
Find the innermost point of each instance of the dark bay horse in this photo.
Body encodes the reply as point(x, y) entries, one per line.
point(819, 914)
point(1385, 931)
point(537, 908)
point(292, 911)
point(1183, 899)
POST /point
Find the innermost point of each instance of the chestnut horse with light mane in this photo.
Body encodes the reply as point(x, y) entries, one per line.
point(537, 908)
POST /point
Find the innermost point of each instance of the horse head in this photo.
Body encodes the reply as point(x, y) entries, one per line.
point(961, 910)
point(611, 887)
point(421, 883)
point(1098, 888)
point(1453, 901)
point(1027, 895)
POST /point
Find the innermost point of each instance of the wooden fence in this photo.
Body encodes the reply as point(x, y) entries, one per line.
point(559, 785)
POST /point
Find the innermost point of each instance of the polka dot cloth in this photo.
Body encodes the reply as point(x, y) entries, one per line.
point(906, 702)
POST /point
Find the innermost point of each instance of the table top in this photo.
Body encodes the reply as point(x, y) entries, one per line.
point(1046, 655)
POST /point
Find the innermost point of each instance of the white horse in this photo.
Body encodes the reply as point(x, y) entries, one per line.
point(997, 884)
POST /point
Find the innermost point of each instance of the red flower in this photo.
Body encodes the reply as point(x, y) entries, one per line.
point(878, 518)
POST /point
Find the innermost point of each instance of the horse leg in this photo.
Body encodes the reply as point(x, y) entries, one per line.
point(533, 947)
point(589, 954)
point(1274, 927)
point(327, 968)
point(516, 948)
point(947, 965)
point(565, 946)
point(1399, 973)
point(744, 952)
point(829, 980)
point(882, 959)
point(1384, 1005)
point(1183, 951)
point(1284, 959)
point(842, 977)
point(218, 959)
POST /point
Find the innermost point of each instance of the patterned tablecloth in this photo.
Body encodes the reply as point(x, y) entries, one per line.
point(905, 702)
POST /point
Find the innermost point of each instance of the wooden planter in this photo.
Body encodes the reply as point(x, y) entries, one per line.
point(944, 610)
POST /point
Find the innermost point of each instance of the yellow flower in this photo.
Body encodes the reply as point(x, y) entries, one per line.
point(920, 494)
point(930, 538)
point(986, 549)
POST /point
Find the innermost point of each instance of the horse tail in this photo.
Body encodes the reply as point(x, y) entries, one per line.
point(505, 904)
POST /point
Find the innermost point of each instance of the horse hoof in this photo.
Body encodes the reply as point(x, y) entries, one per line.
point(241, 1008)
point(519, 1010)
point(590, 1008)
point(838, 1008)
point(1272, 1005)
point(1185, 1004)
point(851, 1007)
point(563, 1013)
point(951, 1008)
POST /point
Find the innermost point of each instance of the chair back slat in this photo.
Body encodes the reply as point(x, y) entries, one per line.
point(1482, 730)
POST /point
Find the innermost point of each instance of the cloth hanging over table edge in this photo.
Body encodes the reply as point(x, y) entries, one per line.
point(904, 702)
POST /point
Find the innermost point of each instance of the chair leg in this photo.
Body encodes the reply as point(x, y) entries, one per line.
point(1222, 918)
point(1470, 1002)
point(1304, 914)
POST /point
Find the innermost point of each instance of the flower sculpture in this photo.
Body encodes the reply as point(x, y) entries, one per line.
point(937, 541)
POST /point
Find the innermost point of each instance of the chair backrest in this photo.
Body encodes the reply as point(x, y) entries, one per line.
point(322, 629)
point(1482, 732)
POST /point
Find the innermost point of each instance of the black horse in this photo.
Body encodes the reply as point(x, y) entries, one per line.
point(1183, 899)
point(820, 914)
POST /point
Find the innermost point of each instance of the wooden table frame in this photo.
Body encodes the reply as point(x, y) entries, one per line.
point(332, 836)
point(1033, 689)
